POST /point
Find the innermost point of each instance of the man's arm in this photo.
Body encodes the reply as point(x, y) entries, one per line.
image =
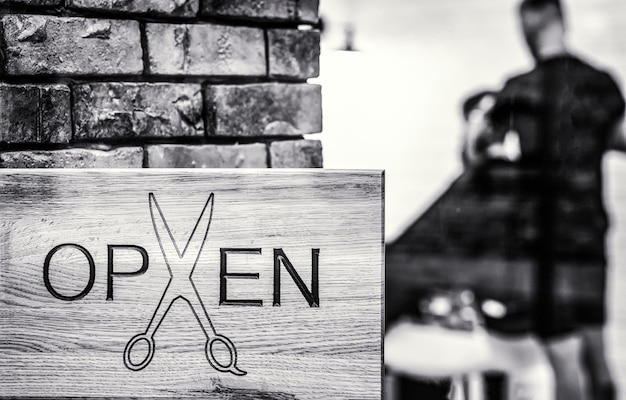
point(617, 136)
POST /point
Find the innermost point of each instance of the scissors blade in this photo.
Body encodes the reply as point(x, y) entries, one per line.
point(163, 233)
point(166, 240)
point(200, 232)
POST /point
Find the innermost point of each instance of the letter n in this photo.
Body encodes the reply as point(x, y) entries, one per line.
point(312, 296)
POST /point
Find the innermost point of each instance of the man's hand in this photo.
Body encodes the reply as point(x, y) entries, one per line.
point(509, 149)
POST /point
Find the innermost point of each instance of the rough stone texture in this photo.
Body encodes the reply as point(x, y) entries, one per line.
point(296, 154)
point(263, 109)
point(116, 110)
point(262, 9)
point(207, 156)
point(205, 49)
point(294, 53)
point(124, 157)
point(185, 8)
point(308, 10)
point(35, 114)
point(74, 46)
point(32, 2)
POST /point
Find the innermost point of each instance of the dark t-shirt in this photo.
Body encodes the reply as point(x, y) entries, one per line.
point(563, 111)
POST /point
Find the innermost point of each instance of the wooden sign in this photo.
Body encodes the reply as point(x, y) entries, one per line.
point(217, 284)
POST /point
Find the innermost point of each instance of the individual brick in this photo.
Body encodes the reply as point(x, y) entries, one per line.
point(207, 156)
point(35, 114)
point(308, 10)
point(263, 109)
point(38, 44)
point(296, 154)
point(183, 8)
point(124, 157)
point(257, 9)
point(205, 49)
point(294, 53)
point(115, 110)
point(32, 2)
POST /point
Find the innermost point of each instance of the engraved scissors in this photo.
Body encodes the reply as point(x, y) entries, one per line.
point(180, 286)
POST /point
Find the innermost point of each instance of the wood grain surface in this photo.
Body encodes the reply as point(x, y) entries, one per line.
point(73, 343)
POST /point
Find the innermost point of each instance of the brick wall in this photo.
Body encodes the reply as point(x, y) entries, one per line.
point(159, 83)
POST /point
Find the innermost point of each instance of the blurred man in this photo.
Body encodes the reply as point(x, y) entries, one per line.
point(567, 114)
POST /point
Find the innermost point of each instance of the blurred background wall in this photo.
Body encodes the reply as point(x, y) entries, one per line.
point(395, 103)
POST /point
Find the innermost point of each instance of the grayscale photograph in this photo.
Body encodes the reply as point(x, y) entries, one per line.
point(313, 199)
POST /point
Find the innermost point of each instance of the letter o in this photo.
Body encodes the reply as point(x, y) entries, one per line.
point(46, 272)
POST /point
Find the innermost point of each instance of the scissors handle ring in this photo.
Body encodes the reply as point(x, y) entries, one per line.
point(232, 365)
point(131, 343)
